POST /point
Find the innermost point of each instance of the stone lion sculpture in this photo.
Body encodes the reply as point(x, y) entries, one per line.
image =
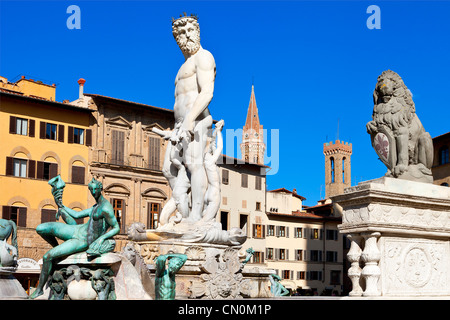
point(397, 134)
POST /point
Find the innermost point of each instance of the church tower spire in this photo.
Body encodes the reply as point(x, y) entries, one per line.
point(252, 146)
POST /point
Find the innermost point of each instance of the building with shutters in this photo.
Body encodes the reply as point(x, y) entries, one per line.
point(41, 138)
point(303, 246)
point(243, 205)
point(127, 157)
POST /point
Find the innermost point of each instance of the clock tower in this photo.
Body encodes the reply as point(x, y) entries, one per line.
point(252, 146)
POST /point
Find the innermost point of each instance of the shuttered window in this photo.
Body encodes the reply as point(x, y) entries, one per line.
point(48, 215)
point(16, 214)
point(118, 147)
point(258, 183)
point(78, 174)
point(154, 152)
point(244, 180)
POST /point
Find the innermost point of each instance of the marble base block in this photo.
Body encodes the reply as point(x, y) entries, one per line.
point(400, 237)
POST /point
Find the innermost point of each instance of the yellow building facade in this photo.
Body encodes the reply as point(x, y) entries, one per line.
point(40, 139)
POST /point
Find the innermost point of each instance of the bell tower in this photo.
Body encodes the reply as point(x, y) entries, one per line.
point(252, 146)
point(337, 167)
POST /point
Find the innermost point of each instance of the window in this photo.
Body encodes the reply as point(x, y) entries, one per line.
point(299, 255)
point(244, 180)
point(78, 174)
point(50, 131)
point(332, 234)
point(16, 214)
point(270, 230)
point(444, 155)
point(282, 231)
point(258, 206)
point(316, 234)
point(258, 257)
point(48, 215)
point(332, 169)
point(282, 254)
point(300, 275)
point(243, 222)
point(153, 215)
point(46, 170)
point(331, 256)
point(258, 183)
point(286, 274)
point(343, 170)
point(297, 232)
point(314, 275)
point(78, 136)
point(224, 220)
point(20, 168)
point(22, 126)
point(118, 147)
point(269, 253)
point(315, 255)
point(335, 277)
point(119, 212)
point(225, 174)
point(258, 231)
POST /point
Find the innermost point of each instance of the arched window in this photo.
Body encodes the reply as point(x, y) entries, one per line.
point(444, 155)
point(332, 169)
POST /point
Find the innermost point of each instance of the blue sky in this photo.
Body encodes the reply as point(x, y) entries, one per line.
point(313, 64)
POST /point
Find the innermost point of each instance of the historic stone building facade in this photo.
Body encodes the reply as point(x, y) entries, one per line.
point(127, 157)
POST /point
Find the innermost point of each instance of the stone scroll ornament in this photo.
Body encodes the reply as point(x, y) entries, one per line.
point(397, 135)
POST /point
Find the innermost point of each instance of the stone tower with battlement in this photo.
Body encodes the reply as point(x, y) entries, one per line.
point(337, 167)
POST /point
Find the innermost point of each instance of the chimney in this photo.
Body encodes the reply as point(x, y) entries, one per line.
point(81, 82)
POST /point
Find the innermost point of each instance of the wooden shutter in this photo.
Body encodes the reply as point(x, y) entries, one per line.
point(53, 170)
point(22, 217)
point(78, 174)
point(9, 166)
point(12, 124)
point(70, 134)
point(48, 215)
point(40, 170)
point(6, 212)
point(32, 129)
point(42, 130)
point(60, 133)
point(118, 146)
point(31, 169)
point(154, 151)
point(244, 180)
point(88, 137)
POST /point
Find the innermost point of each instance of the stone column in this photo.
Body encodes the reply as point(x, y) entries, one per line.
point(354, 272)
point(371, 256)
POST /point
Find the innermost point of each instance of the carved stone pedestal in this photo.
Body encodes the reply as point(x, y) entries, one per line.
point(400, 236)
point(212, 271)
